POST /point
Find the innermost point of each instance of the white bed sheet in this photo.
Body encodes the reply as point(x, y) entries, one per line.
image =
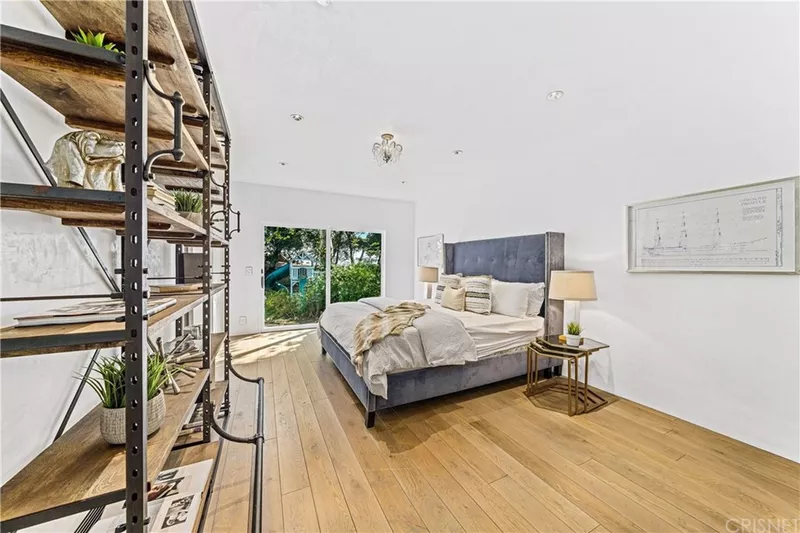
point(495, 333)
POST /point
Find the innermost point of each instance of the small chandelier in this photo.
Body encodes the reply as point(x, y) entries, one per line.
point(387, 151)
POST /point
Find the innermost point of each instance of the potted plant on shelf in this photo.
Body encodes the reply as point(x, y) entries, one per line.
point(109, 384)
point(93, 39)
point(189, 204)
point(574, 334)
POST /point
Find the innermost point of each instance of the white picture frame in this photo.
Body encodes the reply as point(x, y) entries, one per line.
point(430, 251)
point(745, 229)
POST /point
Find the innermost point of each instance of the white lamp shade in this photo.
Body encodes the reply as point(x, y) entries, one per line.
point(427, 274)
point(577, 285)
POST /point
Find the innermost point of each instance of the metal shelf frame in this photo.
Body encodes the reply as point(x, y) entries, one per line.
point(134, 287)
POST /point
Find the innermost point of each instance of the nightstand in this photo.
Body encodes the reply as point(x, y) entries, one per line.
point(552, 346)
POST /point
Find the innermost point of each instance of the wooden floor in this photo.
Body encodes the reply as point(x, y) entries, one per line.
point(481, 461)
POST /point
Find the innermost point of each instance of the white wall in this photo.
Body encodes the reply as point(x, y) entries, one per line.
point(722, 351)
point(278, 206)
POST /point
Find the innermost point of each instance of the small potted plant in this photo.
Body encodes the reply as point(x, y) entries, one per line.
point(109, 384)
point(189, 205)
point(93, 39)
point(574, 334)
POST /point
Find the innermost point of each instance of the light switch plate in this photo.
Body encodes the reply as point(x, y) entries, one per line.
point(248, 271)
point(242, 320)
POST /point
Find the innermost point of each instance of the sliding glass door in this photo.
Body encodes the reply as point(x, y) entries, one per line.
point(299, 280)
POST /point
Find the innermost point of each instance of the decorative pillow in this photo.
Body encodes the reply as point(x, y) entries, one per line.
point(447, 280)
point(535, 299)
point(453, 298)
point(478, 294)
point(510, 299)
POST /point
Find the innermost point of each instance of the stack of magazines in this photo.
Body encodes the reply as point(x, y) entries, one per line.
point(91, 311)
point(159, 195)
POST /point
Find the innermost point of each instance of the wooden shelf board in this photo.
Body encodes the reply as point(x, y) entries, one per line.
point(196, 132)
point(91, 208)
point(217, 396)
point(86, 87)
point(164, 44)
point(82, 467)
point(181, 18)
point(215, 288)
point(217, 343)
point(15, 342)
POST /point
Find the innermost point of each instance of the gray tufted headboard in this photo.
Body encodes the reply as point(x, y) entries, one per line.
point(523, 259)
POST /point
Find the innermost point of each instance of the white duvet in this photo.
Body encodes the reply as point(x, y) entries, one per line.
point(491, 334)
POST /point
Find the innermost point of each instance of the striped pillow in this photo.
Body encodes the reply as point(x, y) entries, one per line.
point(479, 294)
point(447, 280)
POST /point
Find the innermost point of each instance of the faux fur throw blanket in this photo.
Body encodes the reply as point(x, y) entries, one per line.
point(375, 326)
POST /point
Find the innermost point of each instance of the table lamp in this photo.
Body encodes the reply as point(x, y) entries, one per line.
point(428, 275)
point(573, 286)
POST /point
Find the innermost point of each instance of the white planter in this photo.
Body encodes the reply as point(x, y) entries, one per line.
point(195, 218)
point(112, 425)
point(573, 340)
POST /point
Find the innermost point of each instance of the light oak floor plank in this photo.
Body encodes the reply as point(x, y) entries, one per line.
point(479, 461)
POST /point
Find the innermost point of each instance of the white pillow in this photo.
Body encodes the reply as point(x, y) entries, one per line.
point(535, 298)
point(446, 280)
point(510, 299)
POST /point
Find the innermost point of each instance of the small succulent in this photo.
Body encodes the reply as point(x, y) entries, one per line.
point(93, 39)
point(109, 381)
point(188, 202)
point(573, 328)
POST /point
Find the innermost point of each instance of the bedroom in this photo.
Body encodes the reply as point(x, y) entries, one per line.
point(515, 120)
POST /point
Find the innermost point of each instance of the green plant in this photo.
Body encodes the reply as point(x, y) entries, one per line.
point(187, 201)
point(573, 328)
point(93, 39)
point(109, 383)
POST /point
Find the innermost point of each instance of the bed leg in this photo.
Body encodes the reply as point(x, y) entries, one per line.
point(324, 351)
point(369, 419)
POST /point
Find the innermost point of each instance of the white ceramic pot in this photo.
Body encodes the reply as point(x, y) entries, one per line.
point(195, 218)
point(112, 425)
point(573, 340)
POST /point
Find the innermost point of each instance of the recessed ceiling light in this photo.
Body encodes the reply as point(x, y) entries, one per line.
point(282, 163)
point(458, 152)
point(555, 95)
point(404, 182)
point(296, 117)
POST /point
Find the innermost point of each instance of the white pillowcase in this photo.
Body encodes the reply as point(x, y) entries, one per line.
point(517, 299)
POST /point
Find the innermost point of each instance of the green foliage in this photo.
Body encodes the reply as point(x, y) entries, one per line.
point(93, 39)
point(573, 328)
point(109, 381)
point(283, 245)
point(349, 283)
point(188, 201)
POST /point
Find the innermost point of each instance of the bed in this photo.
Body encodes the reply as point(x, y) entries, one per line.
point(525, 259)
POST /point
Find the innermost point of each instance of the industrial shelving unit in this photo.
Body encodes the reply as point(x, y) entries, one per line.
point(160, 98)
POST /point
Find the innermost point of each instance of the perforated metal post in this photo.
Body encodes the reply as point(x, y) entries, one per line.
point(226, 203)
point(135, 253)
point(207, 410)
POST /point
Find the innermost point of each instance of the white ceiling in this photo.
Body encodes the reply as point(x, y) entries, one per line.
point(469, 76)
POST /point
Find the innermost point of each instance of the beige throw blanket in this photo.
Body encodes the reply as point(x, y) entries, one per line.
point(375, 326)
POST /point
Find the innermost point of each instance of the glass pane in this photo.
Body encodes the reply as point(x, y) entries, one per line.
point(294, 275)
point(355, 265)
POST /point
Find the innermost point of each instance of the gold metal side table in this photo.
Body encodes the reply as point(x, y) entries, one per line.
point(552, 346)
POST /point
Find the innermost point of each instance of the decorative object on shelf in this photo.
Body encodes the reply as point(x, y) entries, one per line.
point(429, 276)
point(93, 39)
point(189, 205)
point(387, 151)
point(573, 336)
point(159, 195)
point(574, 286)
point(750, 229)
point(89, 160)
point(96, 311)
point(109, 385)
point(430, 251)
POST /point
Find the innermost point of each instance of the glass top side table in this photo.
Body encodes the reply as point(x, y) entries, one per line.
point(576, 392)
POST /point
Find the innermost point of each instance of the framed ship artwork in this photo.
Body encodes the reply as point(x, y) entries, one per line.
point(745, 229)
point(430, 251)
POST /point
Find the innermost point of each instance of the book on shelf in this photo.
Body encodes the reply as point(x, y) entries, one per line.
point(160, 195)
point(174, 501)
point(90, 311)
point(195, 418)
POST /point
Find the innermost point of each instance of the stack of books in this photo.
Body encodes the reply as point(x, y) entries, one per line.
point(90, 311)
point(159, 195)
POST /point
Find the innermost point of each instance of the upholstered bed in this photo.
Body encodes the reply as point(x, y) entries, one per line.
point(523, 259)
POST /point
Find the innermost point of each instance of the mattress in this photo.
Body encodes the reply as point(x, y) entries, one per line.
point(495, 333)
